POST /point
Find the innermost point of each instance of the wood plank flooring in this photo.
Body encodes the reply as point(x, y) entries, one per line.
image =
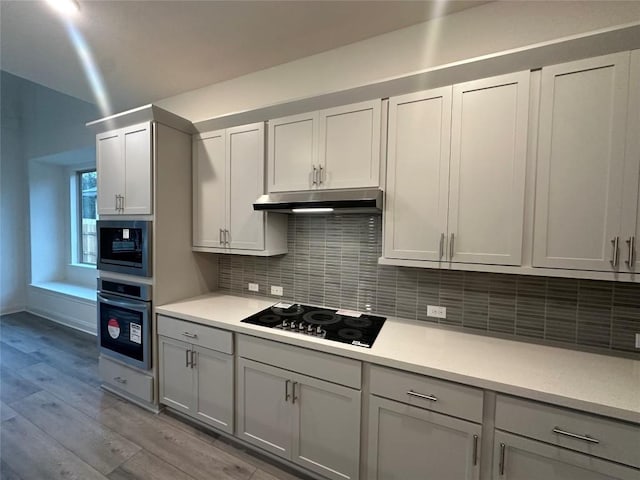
point(56, 422)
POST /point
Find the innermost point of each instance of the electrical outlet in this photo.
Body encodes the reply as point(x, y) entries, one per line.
point(436, 311)
point(637, 340)
point(254, 287)
point(276, 290)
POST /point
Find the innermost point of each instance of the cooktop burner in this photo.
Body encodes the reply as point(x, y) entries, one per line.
point(344, 326)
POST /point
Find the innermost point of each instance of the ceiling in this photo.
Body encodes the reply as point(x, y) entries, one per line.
point(149, 50)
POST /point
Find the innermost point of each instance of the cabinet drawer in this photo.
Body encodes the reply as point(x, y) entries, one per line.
point(332, 368)
point(611, 439)
point(196, 334)
point(123, 378)
point(426, 392)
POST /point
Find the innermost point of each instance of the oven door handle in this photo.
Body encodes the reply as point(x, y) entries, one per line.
point(137, 305)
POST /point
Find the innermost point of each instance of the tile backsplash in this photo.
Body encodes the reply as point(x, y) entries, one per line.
point(333, 261)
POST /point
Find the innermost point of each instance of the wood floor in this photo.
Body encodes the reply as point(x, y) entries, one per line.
point(56, 422)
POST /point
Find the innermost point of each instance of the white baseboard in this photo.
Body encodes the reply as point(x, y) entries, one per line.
point(74, 312)
point(12, 309)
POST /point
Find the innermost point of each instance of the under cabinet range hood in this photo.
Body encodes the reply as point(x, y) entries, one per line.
point(322, 201)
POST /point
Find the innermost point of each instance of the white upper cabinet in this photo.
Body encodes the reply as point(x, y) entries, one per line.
point(110, 167)
point(418, 175)
point(293, 152)
point(488, 163)
point(349, 150)
point(630, 232)
point(124, 165)
point(228, 177)
point(581, 163)
point(245, 183)
point(209, 188)
point(456, 172)
point(333, 148)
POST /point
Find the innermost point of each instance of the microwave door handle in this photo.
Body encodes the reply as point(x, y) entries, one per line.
point(130, 305)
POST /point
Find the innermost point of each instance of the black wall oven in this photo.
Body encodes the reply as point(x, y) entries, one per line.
point(124, 246)
point(124, 321)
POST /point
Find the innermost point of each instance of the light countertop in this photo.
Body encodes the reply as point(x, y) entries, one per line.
point(591, 382)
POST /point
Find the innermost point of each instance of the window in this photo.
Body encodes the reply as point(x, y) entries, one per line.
point(88, 214)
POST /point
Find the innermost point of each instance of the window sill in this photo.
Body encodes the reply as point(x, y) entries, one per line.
point(83, 265)
point(69, 289)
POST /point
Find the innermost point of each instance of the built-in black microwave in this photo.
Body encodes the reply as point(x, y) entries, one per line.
point(124, 246)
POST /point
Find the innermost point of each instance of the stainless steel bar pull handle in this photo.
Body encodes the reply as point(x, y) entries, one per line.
point(226, 237)
point(431, 398)
point(586, 438)
point(615, 253)
point(220, 237)
point(116, 201)
point(453, 236)
point(501, 464)
point(475, 450)
point(320, 180)
point(631, 259)
point(186, 358)
point(286, 390)
point(441, 245)
point(120, 380)
point(190, 335)
point(293, 397)
point(193, 358)
point(314, 178)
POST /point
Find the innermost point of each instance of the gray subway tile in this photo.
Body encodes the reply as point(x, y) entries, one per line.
point(333, 260)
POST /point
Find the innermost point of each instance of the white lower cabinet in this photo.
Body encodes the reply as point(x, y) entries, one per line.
point(311, 422)
point(409, 442)
point(518, 458)
point(194, 379)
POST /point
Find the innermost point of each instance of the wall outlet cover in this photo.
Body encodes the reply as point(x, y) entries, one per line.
point(254, 287)
point(436, 311)
point(276, 290)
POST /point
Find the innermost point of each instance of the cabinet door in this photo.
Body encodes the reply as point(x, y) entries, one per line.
point(581, 143)
point(245, 183)
point(138, 176)
point(408, 442)
point(214, 388)
point(349, 154)
point(326, 431)
point(488, 161)
point(209, 189)
point(110, 168)
point(293, 147)
point(176, 375)
point(518, 458)
point(631, 200)
point(417, 190)
point(264, 409)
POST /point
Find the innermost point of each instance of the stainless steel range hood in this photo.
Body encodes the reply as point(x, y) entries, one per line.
point(322, 201)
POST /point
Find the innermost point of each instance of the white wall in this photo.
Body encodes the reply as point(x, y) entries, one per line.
point(48, 202)
point(13, 199)
point(486, 29)
point(43, 133)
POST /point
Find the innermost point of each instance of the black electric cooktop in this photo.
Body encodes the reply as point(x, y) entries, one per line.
point(344, 326)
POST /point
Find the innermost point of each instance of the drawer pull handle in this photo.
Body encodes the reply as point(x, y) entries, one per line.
point(501, 463)
point(423, 396)
point(190, 335)
point(475, 450)
point(120, 380)
point(286, 390)
point(586, 438)
point(293, 396)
